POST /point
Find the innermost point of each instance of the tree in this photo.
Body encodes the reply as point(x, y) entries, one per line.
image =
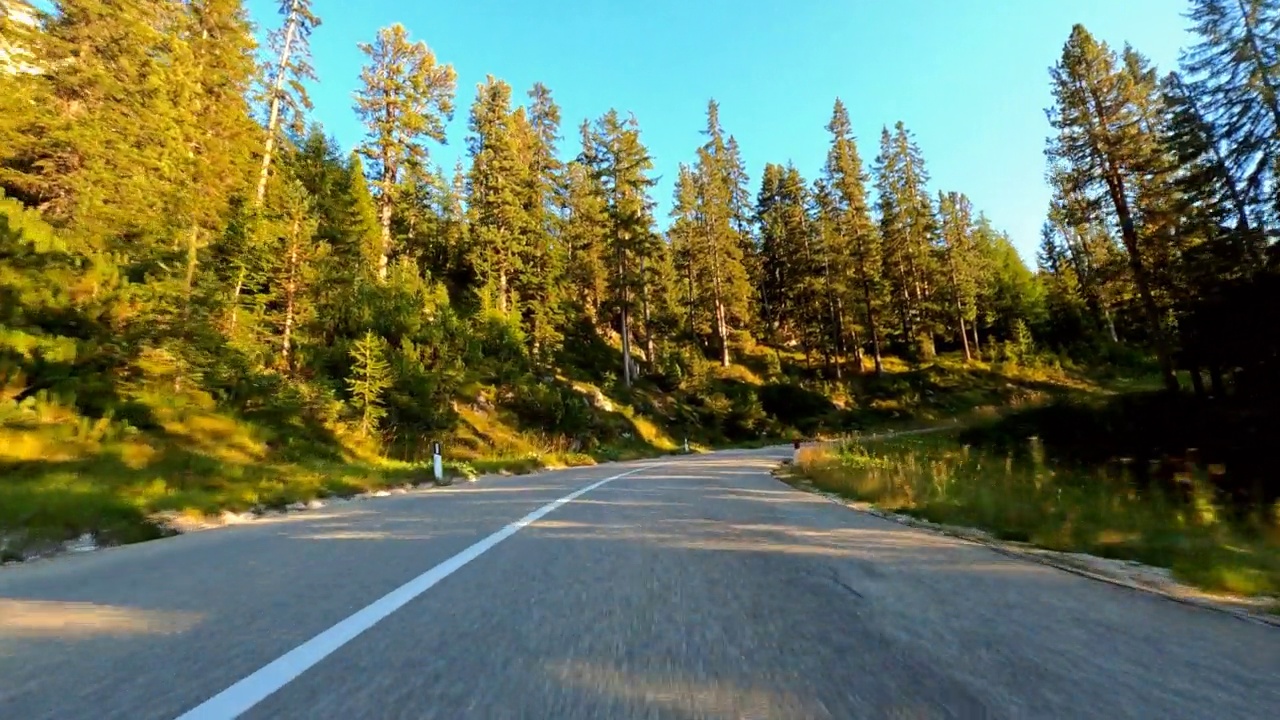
point(1235, 82)
point(845, 176)
point(584, 227)
point(540, 290)
point(370, 379)
point(295, 272)
point(620, 164)
point(495, 187)
point(286, 91)
point(907, 227)
point(961, 260)
point(405, 98)
point(715, 243)
point(1108, 154)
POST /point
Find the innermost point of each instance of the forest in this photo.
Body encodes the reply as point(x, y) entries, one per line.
point(201, 290)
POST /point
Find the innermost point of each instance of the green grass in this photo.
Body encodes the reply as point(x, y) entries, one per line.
point(63, 474)
point(1097, 511)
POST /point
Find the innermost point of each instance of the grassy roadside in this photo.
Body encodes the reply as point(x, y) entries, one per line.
point(1098, 512)
point(64, 474)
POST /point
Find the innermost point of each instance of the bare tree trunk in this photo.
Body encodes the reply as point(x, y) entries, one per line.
point(384, 257)
point(624, 307)
point(188, 287)
point(273, 120)
point(290, 298)
point(648, 319)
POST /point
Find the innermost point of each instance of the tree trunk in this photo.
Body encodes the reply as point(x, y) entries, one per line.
point(648, 319)
point(235, 301)
point(964, 336)
point(1129, 234)
point(977, 344)
point(626, 346)
point(273, 120)
point(871, 322)
point(857, 351)
point(188, 287)
point(722, 330)
point(1197, 381)
point(384, 257)
point(290, 298)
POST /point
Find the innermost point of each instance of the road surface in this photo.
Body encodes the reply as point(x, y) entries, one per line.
point(701, 588)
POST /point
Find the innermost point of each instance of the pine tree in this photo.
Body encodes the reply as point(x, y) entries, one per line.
point(287, 97)
point(620, 164)
point(845, 176)
point(1235, 80)
point(961, 260)
point(830, 259)
point(907, 227)
point(370, 379)
point(496, 188)
point(583, 231)
point(103, 141)
point(715, 249)
point(296, 271)
point(405, 98)
point(539, 134)
point(1107, 149)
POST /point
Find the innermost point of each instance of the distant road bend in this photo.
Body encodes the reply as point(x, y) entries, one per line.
point(696, 587)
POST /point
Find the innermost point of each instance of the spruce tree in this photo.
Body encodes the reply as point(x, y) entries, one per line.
point(961, 261)
point(369, 381)
point(1107, 153)
point(497, 185)
point(845, 176)
point(620, 164)
point(1235, 78)
point(907, 228)
point(405, 99)
point(715, 248)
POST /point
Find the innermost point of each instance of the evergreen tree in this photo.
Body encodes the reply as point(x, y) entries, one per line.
point(907, 228)
point(405, 98)
point(542, 251)
point(583, 231)
point(621, 164)
point(295, 269)
point(369, 381)
point(961, 261)
point(845, 176)
point(287, 98)
point(715, 247)
point(1109, 153)
point(496, 188)
point(1235, 72)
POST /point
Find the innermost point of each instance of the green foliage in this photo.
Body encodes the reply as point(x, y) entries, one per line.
point(370, 378)
point(179, 248)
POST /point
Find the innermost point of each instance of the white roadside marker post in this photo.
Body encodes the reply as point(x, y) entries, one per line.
point(437, 463)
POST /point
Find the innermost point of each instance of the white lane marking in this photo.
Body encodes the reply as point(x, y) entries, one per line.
point(255, 688)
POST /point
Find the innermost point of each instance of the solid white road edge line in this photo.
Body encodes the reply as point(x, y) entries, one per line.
point(255, 688)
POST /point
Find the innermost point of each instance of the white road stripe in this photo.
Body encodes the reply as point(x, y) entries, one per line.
point(255, 688)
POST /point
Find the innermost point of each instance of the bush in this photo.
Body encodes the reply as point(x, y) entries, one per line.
point(795, 405)
point(550, 406)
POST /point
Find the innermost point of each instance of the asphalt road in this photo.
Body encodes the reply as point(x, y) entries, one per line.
point(702, 588)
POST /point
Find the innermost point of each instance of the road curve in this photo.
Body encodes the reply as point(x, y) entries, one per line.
point(698, 588)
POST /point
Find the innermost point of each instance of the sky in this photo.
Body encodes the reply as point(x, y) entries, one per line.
point(968, 77)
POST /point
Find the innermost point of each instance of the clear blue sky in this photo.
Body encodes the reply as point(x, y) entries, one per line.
point(969, 77)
